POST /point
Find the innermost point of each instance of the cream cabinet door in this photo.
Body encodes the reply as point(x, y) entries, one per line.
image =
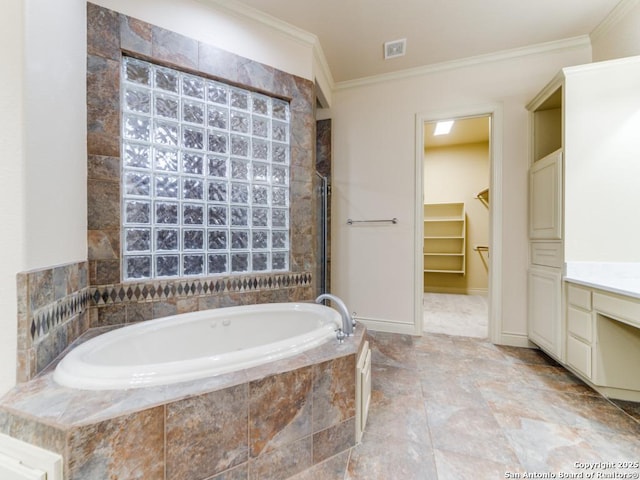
point(545, 198)
point(545, 309)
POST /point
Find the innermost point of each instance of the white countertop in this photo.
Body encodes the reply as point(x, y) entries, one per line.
point(621, 278)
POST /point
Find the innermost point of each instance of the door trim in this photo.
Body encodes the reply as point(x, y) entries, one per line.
point(494, 111)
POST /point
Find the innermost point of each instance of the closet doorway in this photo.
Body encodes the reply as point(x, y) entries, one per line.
point(457, 255)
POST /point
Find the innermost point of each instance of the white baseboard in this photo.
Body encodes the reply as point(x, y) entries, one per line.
point(387, 326)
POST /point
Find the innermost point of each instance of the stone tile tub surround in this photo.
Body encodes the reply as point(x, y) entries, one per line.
point(52, 312)
point(267, 422)
point(109, 34)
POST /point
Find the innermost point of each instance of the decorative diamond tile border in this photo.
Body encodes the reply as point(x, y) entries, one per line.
point(46, 319)
point(162, 290)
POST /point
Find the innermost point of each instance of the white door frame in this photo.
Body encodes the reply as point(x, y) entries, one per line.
point(494, 111)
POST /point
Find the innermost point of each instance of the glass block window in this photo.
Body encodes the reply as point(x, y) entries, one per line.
point(205, 176)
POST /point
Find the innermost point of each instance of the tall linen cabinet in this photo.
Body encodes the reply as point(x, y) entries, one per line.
point(584, 127)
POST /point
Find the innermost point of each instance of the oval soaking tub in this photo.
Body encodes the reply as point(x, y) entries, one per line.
point(196, 345)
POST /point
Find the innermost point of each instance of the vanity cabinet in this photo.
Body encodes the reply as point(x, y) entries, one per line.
point(583, 154)
point(603, 340)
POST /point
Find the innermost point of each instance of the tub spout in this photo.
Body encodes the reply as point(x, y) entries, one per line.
point(347, 322)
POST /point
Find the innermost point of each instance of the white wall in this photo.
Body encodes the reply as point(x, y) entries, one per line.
point(12, 239)
point(373, 177)
point(619, 37)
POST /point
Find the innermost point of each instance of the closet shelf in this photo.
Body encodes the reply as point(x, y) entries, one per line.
point(444, 238)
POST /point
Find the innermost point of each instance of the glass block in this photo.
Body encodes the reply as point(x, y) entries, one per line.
point(280, 131)
point(193, 112)
point(137, 128)
point(260, 127)
point(137, 267)
point(239, 99)
point(218, 191)
point(218, 117)
point(280, 260)
point(260, 239)
point(217, 239)
point(239, 122)
point(166, 213)
point(218, 142)
point(280, 239)
point(239, 216)
point(239, 262)
point(280, 110)
point(239, 239)
point(193, 239)
point(166, 159)
point(260, 172)
point(260, 195)
point(217, 215)
point(192, 86)
point(193, 138)
point(240, 193)
point(137, 212)
point(280, 153)
point(279, 175)
point(260, 104)
point(217, 166)
point(166, 79)
point(167, 265)
point(166, 186)
point(137, 156)
point(166, 133)
point(167, 239)
point(260, 261)
point(137, 71)
point(217, 93)
point(137, 100)
point(260, 217)
point(136, 183)
point(259, 149)
point(137, 240)
point(218, 263)
point(192, 214)
point(279, 217)
point(239, 169)
point(239, 146)
point(166, 107)
point(192, 264)
point(280, 196)
point(193, 189)
point(192, 163)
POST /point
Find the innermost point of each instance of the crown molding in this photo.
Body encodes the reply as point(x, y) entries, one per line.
point(540, 48)
point(614, 17)
point(302, 36)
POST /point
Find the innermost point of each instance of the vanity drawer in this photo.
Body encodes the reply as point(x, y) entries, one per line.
point(579, 355)
point(548, 254)
point(580, 323)
point(579, 297)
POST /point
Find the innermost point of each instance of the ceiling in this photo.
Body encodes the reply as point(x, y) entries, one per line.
point(352, 32)
point(463, 131)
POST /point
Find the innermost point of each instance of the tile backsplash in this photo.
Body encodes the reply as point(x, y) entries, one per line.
point(53, 308)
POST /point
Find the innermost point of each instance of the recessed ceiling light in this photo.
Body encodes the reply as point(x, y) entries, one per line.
point(395, 48)
point(443, 128)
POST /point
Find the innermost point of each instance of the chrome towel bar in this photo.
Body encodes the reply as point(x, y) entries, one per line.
point(391, 220)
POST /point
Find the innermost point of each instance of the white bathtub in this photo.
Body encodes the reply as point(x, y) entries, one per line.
point(196, 345)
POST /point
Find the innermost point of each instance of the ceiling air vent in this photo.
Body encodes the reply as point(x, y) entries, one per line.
point(395, 48)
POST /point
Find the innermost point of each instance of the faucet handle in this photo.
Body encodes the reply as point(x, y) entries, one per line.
point(353, 319)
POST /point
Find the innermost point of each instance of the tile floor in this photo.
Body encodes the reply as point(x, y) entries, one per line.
point(456, 314)
point(448, 408)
